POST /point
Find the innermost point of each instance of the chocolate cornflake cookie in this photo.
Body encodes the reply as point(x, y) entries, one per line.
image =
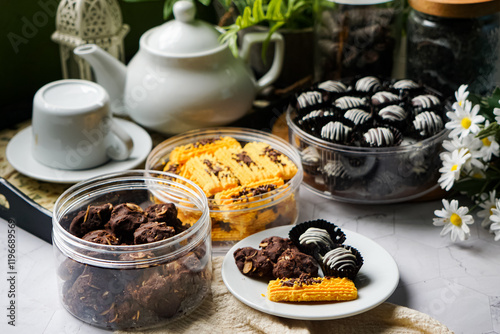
point(165, 212)
point(91, 219)
point(293, 263)
point(91, 293)
point(253, 262)
point(142, 293)
point(153, 231)
point(125, 219)
point(273, 247)
point(104, 237)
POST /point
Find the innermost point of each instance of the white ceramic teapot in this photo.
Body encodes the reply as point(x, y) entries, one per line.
point(182, 78)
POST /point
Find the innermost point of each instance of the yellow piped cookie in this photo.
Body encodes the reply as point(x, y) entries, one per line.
point(181, 154)
point(243, 167)
point(212, 176)
point(269, 158)
point(311, 289)
point(248, 192)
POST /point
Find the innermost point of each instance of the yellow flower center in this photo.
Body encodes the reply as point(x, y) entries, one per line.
point(491, 209)
point(456, 220)
point(454, 168)
point(478, 176)
point(466, 122)
point(486, 141)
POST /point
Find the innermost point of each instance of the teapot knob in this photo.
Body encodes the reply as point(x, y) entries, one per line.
point(184, 11)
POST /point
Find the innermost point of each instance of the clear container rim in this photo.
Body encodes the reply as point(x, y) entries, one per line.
point(246, 134)
point(62, 238)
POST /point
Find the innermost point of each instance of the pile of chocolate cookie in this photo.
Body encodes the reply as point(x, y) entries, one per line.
point(276, 258)
point(121, 287)
point(126, 223)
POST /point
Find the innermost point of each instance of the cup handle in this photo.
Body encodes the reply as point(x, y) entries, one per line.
point(279, 51)
point(121, 145)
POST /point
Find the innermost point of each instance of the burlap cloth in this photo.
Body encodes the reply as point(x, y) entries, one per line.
point(222, 313)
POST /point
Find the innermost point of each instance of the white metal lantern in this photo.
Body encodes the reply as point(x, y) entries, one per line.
point(81, 22)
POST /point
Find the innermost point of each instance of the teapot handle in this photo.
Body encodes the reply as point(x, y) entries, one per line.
point(279, 50)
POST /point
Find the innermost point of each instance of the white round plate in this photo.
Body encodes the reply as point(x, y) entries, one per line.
point(19, 156)
point(376, 281)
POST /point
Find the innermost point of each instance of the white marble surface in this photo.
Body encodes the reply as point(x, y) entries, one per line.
point(458, 284)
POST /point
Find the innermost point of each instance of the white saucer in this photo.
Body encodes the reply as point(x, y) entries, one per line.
point(19, 156)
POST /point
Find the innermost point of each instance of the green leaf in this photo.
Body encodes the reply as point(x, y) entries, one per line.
point(205, 2)
point(168, 8)
point(258, 11)
point(265, 44)
point(492, 130)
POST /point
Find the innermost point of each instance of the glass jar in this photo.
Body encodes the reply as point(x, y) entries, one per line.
point(453, 44)
point(356, 38)
point(133, 286)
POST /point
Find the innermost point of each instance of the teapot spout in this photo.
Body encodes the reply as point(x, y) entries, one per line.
point(109, 72)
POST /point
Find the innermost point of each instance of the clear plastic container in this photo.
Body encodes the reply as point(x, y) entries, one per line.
point(375, 175)
point(356, 38)
point(234, 222)
point(133, 286)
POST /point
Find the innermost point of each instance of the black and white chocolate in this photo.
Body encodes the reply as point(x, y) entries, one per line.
point(339, 258)
point(357, 116)
point(368, 84)
point(333, 86)
point(425, 101)
point(349, 102)
point(428, 123)
point(393, 113)
point(379, 137)
point(335, 169)
point(315, 113)
point(405, 84)
point(317, 236)
point(336, 131)
point(310, 156)
point(384, 97)
point(309, 99)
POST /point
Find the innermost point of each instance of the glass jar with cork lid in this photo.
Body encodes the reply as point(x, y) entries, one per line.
point(454, 42)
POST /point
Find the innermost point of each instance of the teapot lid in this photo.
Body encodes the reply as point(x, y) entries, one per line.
point(184, 35)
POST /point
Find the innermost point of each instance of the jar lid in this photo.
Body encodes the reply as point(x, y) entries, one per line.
point(456, 8)
point(184, 34)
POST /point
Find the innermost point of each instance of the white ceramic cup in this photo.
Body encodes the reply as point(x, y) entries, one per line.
point(73, 128)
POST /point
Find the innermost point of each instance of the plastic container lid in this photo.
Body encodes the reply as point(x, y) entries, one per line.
point(184, 35)
point(456, 8)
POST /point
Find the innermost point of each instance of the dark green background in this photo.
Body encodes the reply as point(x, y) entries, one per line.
point(37, 62)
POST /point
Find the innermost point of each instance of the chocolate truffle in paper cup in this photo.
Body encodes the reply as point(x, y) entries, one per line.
point(342, 261)
point(316, 237)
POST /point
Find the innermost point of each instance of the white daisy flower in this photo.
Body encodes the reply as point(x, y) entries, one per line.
point(473, 146)
point(495, 218)
point(477, 173)
point(487, 202)
point(489, 148)
point(495, 229)
point(464, 120)
point(461, 95)
point(454, 220)
point(452, 165)
point(496, 111)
